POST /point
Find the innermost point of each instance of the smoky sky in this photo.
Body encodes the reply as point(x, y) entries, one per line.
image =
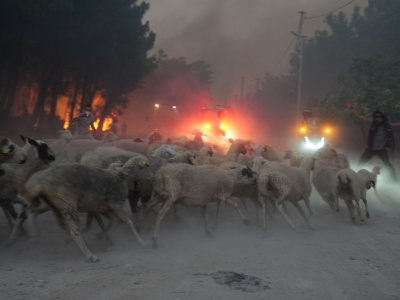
point(238, 38)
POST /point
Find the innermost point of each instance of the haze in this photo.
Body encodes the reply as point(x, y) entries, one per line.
point(238, 38)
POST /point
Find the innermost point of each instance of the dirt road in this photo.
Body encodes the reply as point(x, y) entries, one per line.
point(336, 260)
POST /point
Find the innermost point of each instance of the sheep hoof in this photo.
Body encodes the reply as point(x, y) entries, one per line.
point(154, 242)
point(367, 215)
point(246, 221)
point(93, 259)
point(209, 234)
point(337, 210)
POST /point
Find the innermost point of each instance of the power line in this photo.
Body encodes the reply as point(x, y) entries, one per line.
point(319, 16)
point(283, 56)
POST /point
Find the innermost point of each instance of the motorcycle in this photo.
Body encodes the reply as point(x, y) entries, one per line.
point(313, 135)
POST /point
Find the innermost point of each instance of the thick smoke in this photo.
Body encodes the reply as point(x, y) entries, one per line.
point(238, 38)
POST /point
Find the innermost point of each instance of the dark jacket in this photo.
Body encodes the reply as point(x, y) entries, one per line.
point(374, 128)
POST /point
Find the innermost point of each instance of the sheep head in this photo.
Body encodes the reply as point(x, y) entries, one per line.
point(10, 152)
point(248, 176)
point(44, 152)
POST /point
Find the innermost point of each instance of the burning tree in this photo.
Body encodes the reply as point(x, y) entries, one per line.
point(56, 55)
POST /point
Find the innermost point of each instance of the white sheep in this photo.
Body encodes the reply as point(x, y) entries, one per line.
point(11, 152)
point(242, 191)
point(38, 157)
point(351, 186)
point(236, 148)
point(75, 149)
point(73, 188)
point(103, 156)
point(327, 163)
point(167, 151)
point(130, 145)
point(195, 186)
point(279, 182)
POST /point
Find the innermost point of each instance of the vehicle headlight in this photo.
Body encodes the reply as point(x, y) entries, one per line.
point(314, 146)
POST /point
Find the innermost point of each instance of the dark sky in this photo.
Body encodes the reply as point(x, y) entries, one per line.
point(237, 37)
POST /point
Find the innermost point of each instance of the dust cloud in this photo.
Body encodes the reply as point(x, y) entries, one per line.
point(238, 38)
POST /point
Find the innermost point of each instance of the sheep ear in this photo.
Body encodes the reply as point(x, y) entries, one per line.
point(376, 170)
point(247, 172)
point(23, 138)
point(33, 142)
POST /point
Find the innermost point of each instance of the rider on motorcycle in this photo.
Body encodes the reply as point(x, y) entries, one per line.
point(217, 124)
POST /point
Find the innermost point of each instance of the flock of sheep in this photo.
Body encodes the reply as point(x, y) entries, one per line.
point(70, 177)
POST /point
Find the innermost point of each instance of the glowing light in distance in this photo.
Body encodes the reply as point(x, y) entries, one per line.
point(311, 145)
point(174, 106)
point(156, 105)
point(327, 130)
point(207, 126)
point(303, 129)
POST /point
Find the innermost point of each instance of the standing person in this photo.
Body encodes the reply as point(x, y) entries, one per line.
point(217, 124)
point(380, 137)
point(114, 126)
point(124, 128)
point(83, 123)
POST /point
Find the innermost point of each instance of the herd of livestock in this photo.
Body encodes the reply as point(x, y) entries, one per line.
point(97, 177)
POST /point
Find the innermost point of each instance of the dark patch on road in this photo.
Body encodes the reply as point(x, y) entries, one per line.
point(239, 281)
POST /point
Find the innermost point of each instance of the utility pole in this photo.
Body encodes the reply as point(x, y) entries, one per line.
point(299, 51)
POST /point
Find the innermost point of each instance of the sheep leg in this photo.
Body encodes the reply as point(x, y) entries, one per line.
point(160, 217)
point(301, 211)
point(205, 214)
point(32, 221)
point(99, 220)
point(147, 207)
point(71, 223)
point(118, 210)
point(22, 216)
point(359, 210)
point(104, 228)
point(336, 201)
point(279, 206)
point(244, 219)
point(217, 212)
point(245, 206)
point(264, 210)
point(256, 209)
point(88, 223)
point(350, 207)
point(366, 207)
point(8, 214)
point(307, 202)
point(176, 216)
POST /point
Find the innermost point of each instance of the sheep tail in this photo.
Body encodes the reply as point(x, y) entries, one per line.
point(344, 179)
